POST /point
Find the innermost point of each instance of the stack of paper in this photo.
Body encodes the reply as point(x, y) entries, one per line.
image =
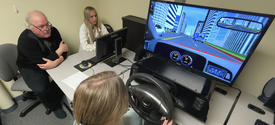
point(75, 79)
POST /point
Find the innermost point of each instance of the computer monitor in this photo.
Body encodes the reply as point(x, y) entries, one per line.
point(213, 42)
point(109, 45)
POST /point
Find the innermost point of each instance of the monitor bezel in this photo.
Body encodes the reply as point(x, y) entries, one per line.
point(110, 40)
point(253, 48)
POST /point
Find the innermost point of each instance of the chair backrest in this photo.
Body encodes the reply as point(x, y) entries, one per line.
point(8, 56)
point(109, 28)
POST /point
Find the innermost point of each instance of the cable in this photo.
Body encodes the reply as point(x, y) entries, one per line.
point(129, 60)
point(122, 77)
point(125, 66)
point(93, 71)
point(122, 72)
point(233, 106)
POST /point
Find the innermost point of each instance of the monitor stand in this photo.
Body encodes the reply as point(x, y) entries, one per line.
point(117, 59)
point(113, 61)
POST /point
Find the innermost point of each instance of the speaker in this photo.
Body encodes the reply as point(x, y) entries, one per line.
point(268, 90)
point(270, 103)
point(136, 31)
point(268, 94)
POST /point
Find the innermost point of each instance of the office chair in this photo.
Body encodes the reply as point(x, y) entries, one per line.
point(109, 28)
point(9, 71)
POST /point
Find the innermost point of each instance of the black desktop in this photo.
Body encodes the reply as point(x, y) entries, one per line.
point(136, 31)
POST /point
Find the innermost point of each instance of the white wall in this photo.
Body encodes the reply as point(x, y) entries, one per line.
point(65, 15)
point(111, 11)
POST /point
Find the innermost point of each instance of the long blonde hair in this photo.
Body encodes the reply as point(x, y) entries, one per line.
point(88, 24)
point(100, 100)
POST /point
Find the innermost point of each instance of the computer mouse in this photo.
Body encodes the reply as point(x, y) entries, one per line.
point(85, 63)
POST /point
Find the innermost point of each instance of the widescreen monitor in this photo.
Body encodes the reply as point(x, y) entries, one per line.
point(111, 44)
point(213, 42)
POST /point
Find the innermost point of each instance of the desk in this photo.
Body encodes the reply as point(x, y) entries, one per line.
point(66, 69)
point(220, 105)
point(245, 116)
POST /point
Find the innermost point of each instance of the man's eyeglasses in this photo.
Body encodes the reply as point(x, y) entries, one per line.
point(48, 25)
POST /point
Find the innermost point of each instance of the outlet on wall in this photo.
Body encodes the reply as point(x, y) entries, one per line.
point(15, 9)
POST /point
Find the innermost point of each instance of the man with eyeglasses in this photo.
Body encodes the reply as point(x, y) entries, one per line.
point(40, 47)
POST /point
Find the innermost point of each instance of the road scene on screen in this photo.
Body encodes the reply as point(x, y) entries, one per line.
point(223, 38)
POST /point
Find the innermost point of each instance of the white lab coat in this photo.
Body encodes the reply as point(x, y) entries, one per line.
point(85, 38)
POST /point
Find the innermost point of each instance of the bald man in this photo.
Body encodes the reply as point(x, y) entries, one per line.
point(40, 47)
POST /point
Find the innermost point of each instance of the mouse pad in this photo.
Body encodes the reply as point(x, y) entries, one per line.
point(83, 68)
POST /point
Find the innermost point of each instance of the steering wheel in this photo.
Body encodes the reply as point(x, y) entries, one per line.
point(150, 98)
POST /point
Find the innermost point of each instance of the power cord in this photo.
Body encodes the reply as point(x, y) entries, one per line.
point(122, 72)
point(122, 77)
point(235, 101)
point(125, 66)
point(129, 60)
point(93, 71)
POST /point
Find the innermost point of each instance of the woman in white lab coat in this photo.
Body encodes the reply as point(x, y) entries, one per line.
point(90, 30)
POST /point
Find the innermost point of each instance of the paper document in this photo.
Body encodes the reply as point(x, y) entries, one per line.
point(74, 80)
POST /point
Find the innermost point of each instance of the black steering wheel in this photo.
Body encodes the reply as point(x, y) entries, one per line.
point(150, 98)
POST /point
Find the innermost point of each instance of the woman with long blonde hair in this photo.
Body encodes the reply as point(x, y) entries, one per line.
point(102, 99)
point(90, 29)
